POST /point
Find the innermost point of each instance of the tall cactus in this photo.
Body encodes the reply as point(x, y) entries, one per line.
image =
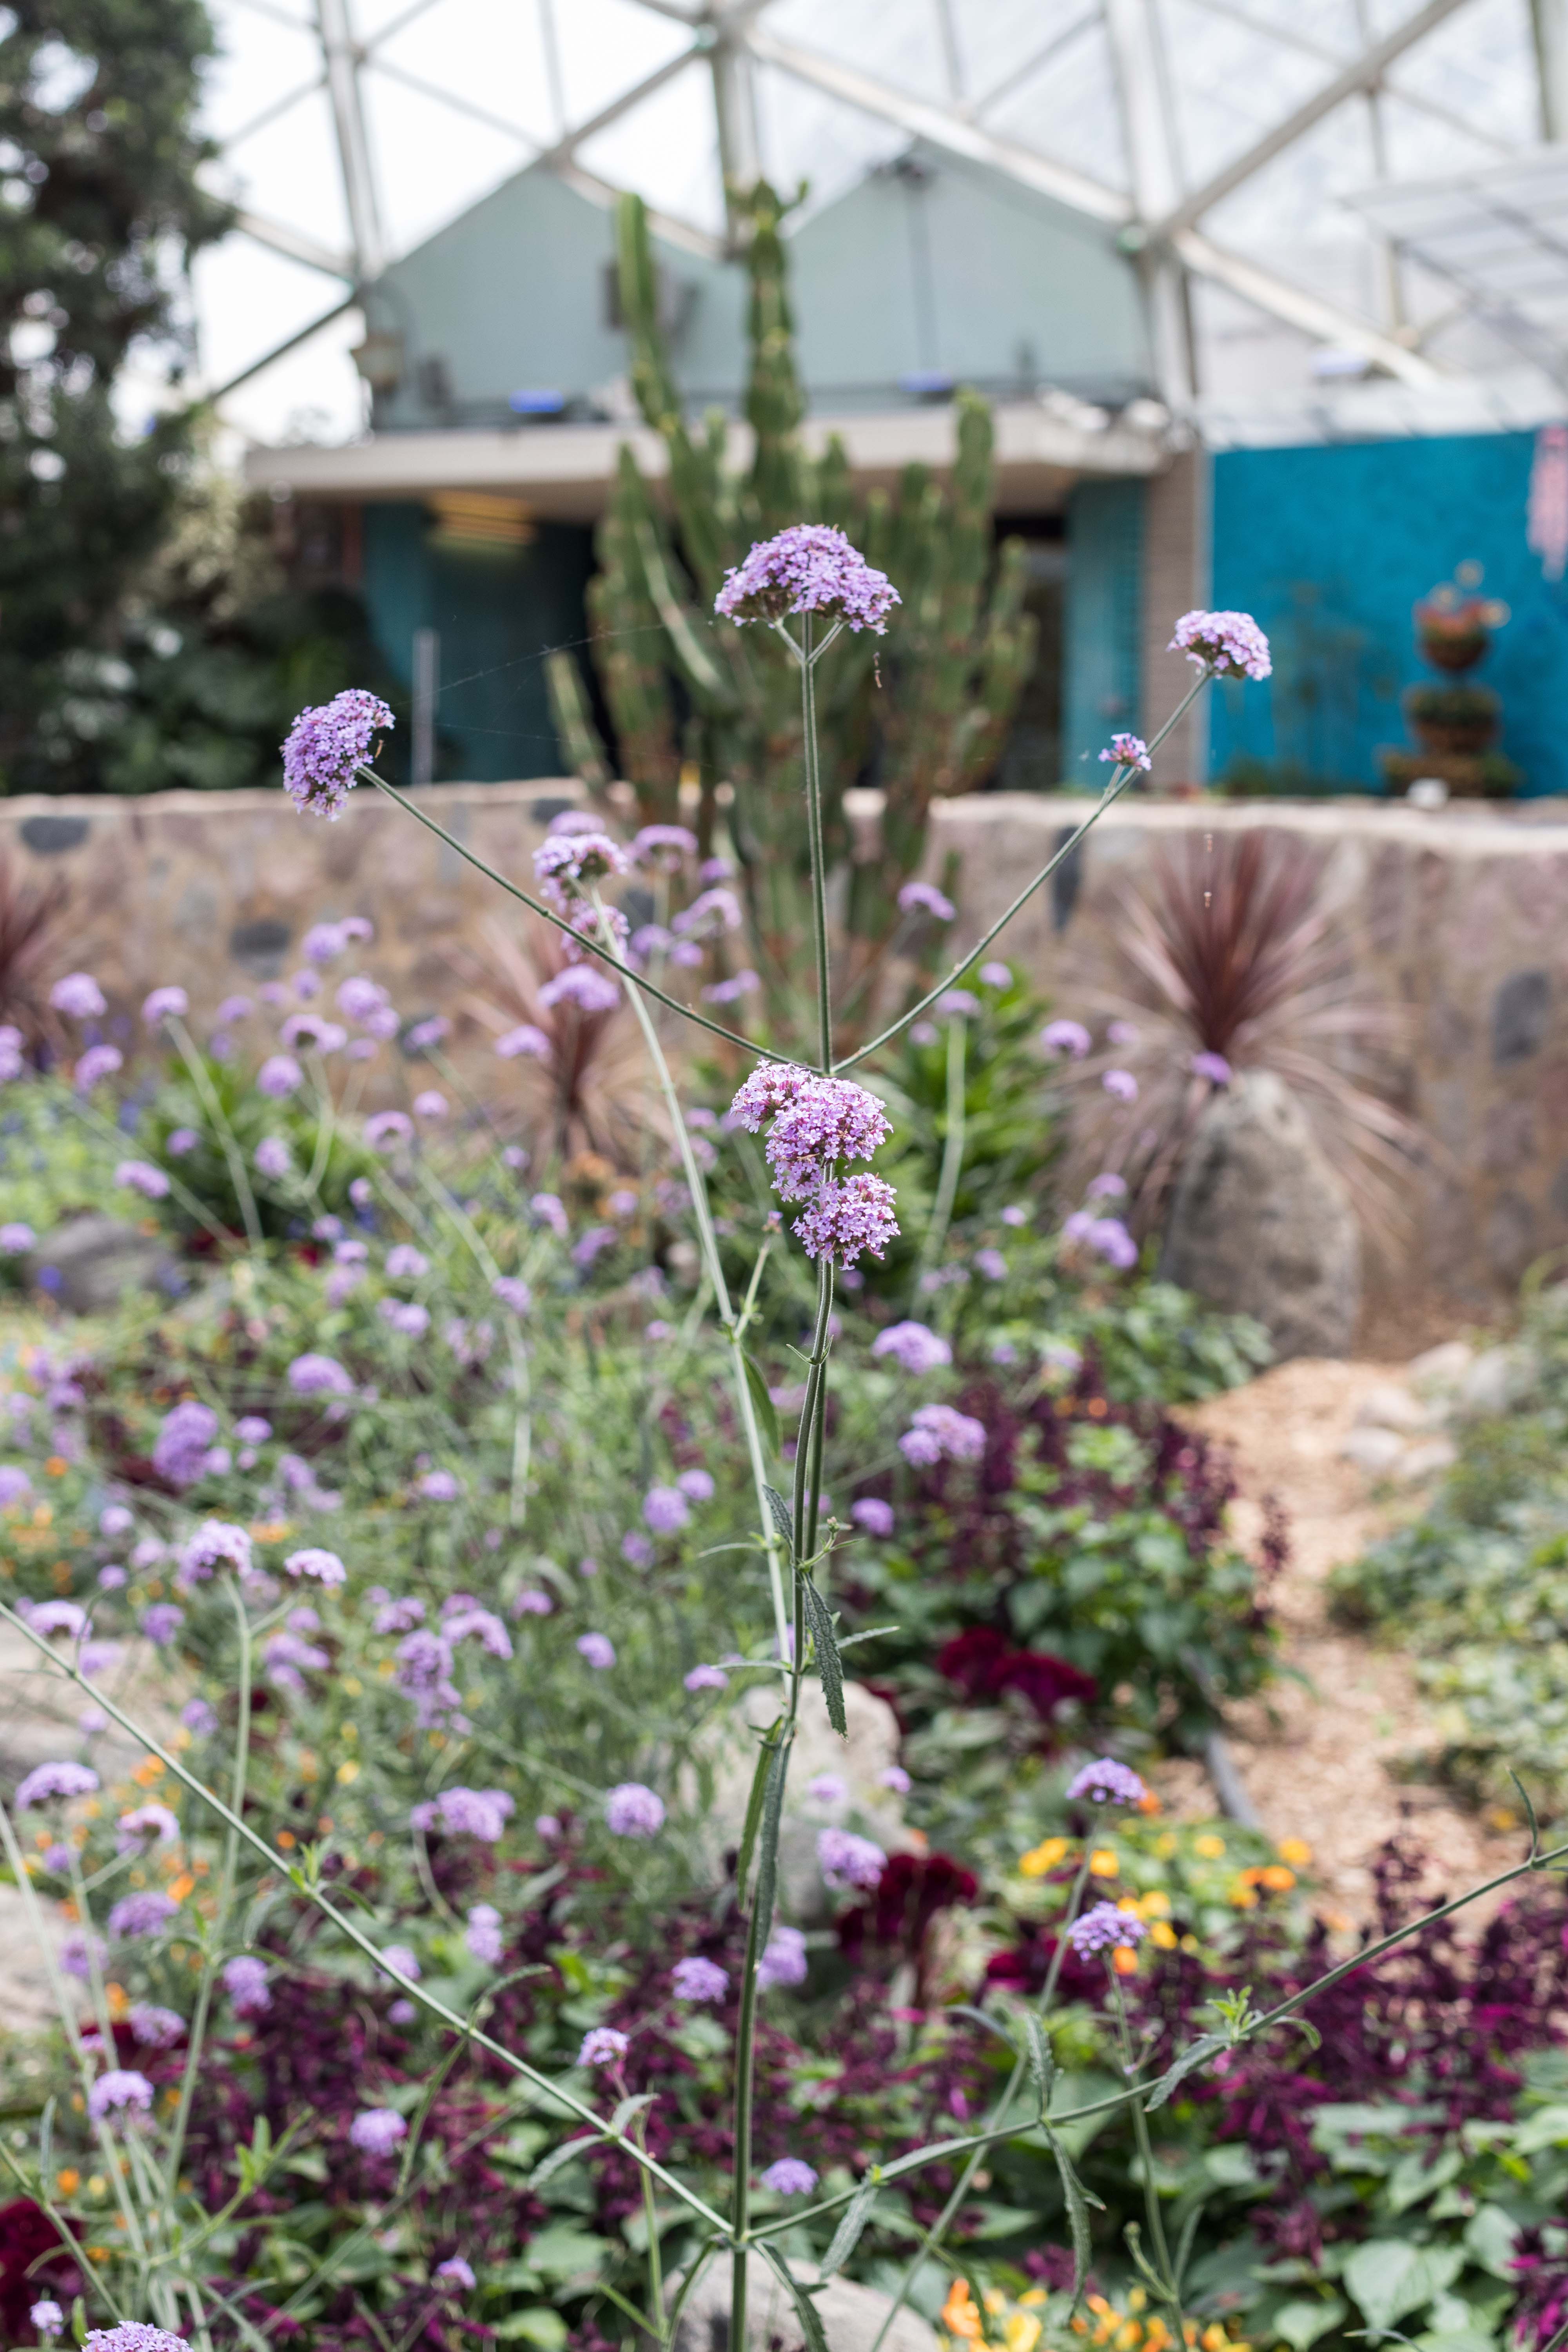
point(921, 713)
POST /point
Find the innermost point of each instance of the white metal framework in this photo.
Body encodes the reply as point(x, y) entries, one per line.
point(1238, 147)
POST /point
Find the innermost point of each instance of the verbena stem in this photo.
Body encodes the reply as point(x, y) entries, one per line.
point(953, 1144)
point(548, 914)
point(1120, 778)
point(733, 1326)
point(200, 1078)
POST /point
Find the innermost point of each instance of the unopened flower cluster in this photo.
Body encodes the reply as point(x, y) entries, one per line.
point(1231, 643)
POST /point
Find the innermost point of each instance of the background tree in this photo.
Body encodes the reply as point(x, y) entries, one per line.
point(102, 212)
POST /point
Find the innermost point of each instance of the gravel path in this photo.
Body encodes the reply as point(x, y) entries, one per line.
point(1316, 1755)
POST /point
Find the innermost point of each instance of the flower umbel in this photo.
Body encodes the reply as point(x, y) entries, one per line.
point(327, 744)
point(810, 568)
point(1231, 642)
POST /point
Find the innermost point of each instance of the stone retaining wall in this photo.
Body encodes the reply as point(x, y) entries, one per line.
point(1457, 917)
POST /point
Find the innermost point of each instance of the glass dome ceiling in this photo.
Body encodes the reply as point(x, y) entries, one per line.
point(1255, 155)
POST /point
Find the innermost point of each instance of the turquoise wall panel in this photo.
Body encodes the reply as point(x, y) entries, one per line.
point(497, 613)
point(1330, 548)
point(1103, 623)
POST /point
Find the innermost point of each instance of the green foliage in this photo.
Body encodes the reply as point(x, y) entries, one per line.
point(923, 714)
point(226, 1109)
point(102, 213)
point(1476, 1587)
point(51, 1163)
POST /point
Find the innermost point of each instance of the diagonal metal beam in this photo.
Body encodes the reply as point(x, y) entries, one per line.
point(564, 149)
point(1363, 73)
point(278, 350)
point(1290, 38)
point(1037, 62)
point(279, 106)
point(942, 127)
point(278, 238)
point(451, 99)
point(1324, 321)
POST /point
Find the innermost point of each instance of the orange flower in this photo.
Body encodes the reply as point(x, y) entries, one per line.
point(960, 2315)
point(68, 2181)
point(1123, 1961)
point(1277, 1878)
point(1043, 1857)
point(55, 1467)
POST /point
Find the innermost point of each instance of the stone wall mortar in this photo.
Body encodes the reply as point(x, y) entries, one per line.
point(1456, 917)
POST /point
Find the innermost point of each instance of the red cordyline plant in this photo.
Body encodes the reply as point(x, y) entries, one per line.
point(1233, 964)
point(30, 922)
point(821, 1127)
point(576, 1061)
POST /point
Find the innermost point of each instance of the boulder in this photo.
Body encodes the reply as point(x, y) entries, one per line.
point(851, 2315)
point(89, 1263)
point(1261, 1224)
point(728, 1753)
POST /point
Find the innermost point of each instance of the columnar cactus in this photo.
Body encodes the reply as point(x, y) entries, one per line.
point(926, 718)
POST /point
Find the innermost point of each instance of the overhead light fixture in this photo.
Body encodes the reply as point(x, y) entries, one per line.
point(468, 521)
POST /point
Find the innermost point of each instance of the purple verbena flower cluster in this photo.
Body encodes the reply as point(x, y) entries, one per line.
point(845, 1860)
point(810, 568)
point(817, 1124)
point(1129, 751)
point(939, 1432)
point(1231, 643)
point(1104, 1929)
point(325, 747)
point(1106, 1782)
point(913, 1346)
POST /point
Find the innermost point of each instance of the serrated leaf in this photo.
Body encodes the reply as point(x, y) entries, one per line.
point(858, 2212)
point(829, 1665)
point(810, 2317)
point(564, 2152)
point(872, 1633)
point(782, 1521)
point(1042, 2066)
point(761, 1402)
point(768, 1841)
point(1205, 2048)
point(1076, 2198)
point(754, 1819)
point(630, 2107)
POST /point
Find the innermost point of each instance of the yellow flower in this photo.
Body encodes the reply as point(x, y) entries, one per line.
point(1022, 2332)
point(1104, 1864)
point(1210, 1846)
point(1166, 1844)
point(1163, 1935)
point(1295, 1851)
point(1242, 1896)
point(1043, 1857)
point(1136, 2298)
point(1156, 1904)
point(1130, 1903)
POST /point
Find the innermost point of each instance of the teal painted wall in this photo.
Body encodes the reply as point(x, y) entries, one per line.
point(1102, 627)
point(1328, 549)
point(497, 614)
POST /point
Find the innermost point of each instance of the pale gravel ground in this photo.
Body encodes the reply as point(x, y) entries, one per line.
point(1315, 1758)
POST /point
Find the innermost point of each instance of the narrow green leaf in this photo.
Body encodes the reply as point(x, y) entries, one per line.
point(630, 2107)
point(1196, 2055)
point(810, 2317)
point(829, 1665)
point(768, 1840)
point(857, 2213)
point(564, 2152)
point(1042, 2066)
point(1077, 2201)
point(754, 1819)
point(872, 1633)
point(46, 2145)
point(762, 1403)
point(783, 1521)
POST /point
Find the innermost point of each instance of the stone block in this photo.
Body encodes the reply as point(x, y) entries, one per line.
point(89, 1263)
point(1390, 1407)
point(1260, 1223)
point(852, 2316)
point(1376, 1451)
point(1521, 1011)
